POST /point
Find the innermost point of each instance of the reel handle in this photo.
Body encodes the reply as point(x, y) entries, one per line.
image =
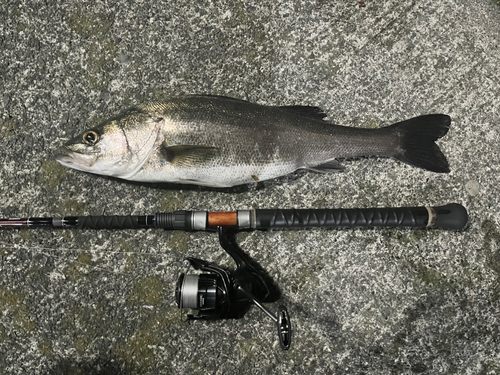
point(451, 216)
point(282, 319)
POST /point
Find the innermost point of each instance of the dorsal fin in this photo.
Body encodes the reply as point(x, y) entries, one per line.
point(303, 110)
point(314, 112)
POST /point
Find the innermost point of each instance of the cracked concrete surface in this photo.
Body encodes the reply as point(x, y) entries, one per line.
point(362, 301)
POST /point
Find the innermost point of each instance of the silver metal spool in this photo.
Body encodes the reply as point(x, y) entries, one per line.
point(189, 292)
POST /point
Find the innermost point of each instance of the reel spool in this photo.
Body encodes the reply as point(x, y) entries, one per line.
point(220, 294)
point(199, 292)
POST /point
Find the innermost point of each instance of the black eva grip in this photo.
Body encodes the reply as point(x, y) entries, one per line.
point(114, 222)
point(452, 216)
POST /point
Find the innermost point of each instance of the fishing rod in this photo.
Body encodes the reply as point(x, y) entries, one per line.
point(451, 216)
point(218, 293)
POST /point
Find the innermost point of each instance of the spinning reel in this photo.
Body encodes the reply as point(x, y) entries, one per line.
point(221, 294)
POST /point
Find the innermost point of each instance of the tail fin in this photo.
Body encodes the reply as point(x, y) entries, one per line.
point(417, 145)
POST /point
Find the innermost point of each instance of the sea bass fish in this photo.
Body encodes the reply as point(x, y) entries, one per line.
point(223, 142)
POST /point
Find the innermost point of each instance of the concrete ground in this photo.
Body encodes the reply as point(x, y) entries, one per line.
point(377, 301)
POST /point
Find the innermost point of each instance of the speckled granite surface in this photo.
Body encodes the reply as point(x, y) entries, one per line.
point(362, 301)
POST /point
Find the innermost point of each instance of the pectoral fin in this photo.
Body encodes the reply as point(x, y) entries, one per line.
point(188, 156)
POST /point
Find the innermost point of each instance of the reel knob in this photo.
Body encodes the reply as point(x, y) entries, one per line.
point(284, 328)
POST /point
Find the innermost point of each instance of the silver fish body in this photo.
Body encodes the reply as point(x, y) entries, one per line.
point(223, 142)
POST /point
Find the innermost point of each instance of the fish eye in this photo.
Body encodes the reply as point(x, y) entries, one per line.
point(90, 137)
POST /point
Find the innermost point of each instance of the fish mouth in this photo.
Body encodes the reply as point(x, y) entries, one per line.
point(72, 159)
point(63, 156)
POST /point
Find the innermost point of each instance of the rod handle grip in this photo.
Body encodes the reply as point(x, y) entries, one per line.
point(113, 222)
point(451, 216)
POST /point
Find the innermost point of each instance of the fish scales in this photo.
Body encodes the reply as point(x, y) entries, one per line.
point(223, 142)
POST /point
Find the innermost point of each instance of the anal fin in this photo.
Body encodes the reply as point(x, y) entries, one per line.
point(328, 167)
point(308, 111)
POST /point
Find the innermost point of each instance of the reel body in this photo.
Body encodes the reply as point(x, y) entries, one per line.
point(217, 293)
